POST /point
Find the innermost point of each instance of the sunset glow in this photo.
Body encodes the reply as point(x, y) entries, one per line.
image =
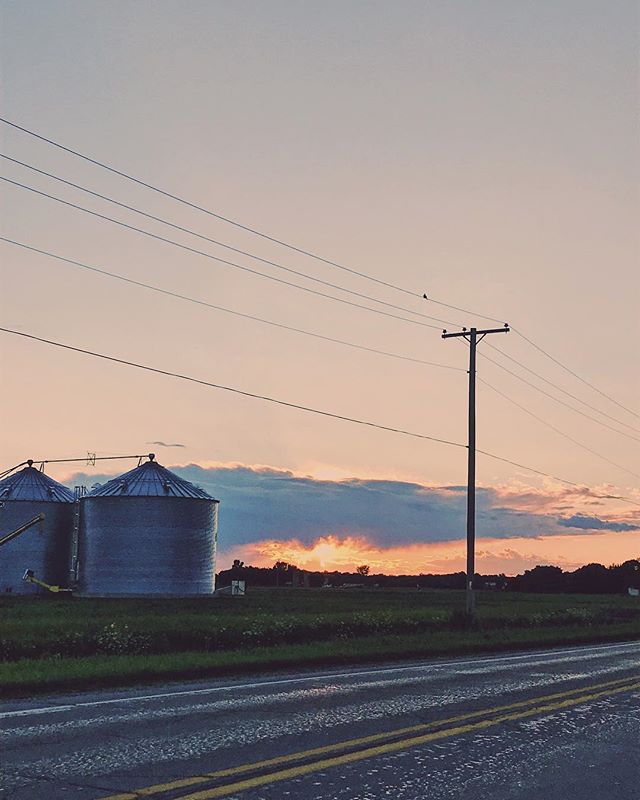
point(332, 553)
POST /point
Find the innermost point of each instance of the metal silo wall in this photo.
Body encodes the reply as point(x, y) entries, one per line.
point(45, 548)
point(146, 546)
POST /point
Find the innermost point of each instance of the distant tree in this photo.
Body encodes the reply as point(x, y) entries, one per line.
point(283, 570)
point(541, 579)
point(625, 576)
point(592, 579)
point(237, 571)
point(363, 570)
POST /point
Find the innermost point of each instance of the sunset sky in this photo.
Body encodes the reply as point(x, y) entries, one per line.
point(485, 152)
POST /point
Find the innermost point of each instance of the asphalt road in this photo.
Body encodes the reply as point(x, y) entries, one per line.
point(555, 725)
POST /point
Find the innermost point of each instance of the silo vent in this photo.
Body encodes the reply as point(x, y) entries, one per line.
point(149, 480)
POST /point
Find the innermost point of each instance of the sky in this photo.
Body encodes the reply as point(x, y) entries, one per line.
point(486, 153)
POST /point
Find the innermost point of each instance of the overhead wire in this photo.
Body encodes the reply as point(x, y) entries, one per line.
point(560, 389)
point(548, 355)
point(287, 404)
point(557, 399)
point(231, 389)
point(207, 211)
point(532, 469)
point(575, 374)
point(309, 333)
point(217, 242)
point(557, 430)
point(294, 248)
point(621, 498)
point(430, 299)
point(233, 264)
point(118, 222)
point(206, 304)
point(235, 223)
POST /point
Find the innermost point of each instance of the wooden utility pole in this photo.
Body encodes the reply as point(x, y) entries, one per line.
point(474, 337)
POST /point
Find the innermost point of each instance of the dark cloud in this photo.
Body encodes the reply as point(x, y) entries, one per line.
point(165, 444)
point(584, 522)
point(269, 504)
point(272, 504)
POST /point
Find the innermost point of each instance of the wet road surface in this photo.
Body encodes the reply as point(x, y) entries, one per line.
point(557, 724)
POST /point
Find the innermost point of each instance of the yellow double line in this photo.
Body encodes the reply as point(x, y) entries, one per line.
point(452, 726)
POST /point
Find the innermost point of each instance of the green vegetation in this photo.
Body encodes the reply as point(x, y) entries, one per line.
point(48, 643)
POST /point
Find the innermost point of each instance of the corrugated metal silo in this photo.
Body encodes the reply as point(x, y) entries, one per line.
point(44, 548)
point(147, 532)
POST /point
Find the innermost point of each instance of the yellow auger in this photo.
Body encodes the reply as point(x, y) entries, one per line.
point(29, 577)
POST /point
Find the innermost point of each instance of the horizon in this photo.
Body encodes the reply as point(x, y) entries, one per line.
point(328, 524)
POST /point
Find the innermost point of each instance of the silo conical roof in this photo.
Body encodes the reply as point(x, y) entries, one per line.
point(149, 480)
point(32, 485)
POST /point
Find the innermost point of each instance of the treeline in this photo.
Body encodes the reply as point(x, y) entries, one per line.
point(590, 579)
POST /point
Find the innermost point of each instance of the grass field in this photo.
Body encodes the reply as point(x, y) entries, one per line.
point(48, 643)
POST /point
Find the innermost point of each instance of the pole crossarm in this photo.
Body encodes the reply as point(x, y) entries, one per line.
point(474, 337)
point(466, 333)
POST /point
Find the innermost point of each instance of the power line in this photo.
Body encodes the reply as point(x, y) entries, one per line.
point(303, 288)
point(241, 314)
point(548, 355)
point(289, 246)
point(232, 389)
point(191, 232)
point(463, 310)
point(555, 477)
point(558, 400)
point(229, 221)
point(560, 389)
point(349, 344)
point(557, 430)
point(288, 404)
point(575, 374)
point(207, 211)
point(212, 257)
point(296, 249)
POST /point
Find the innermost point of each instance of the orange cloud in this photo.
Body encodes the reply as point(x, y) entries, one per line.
point(554, 498)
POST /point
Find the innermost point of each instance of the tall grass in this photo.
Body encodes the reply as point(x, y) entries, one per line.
point(47, 642)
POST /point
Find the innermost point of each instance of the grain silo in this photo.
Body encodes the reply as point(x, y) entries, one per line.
point(45, 547)
point(147, 532)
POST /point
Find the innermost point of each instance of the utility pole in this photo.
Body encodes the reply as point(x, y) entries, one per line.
point(474, 337)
